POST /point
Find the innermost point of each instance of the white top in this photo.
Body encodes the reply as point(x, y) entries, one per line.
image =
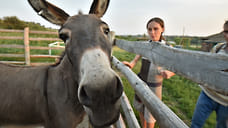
point(216, 96)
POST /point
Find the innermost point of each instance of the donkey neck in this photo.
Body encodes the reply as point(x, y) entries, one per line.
point(64, 83)
point(65, 65)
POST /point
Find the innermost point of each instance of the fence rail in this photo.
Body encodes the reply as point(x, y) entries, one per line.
point(11, 38)
point(128, 112)
point(164, 116)
point(12, 55)
point(204, 68)
point(34, 32)
point(27, 46)
point(31, 47)
point(208, 69)
point(11, 30)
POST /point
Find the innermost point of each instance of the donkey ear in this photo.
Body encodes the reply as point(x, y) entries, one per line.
point(49, 11)
point(99, 7)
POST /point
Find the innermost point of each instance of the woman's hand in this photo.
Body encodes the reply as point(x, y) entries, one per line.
point(166, 74)
point(130, 65)
point(133, 62)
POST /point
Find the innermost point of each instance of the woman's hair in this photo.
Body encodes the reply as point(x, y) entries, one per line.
point(226, 23)
point(160, 22)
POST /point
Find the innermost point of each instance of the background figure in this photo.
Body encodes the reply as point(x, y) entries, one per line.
point(209, 100)
point(151, 74)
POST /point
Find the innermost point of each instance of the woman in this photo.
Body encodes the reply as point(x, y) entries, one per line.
point(150, 73)
point(210, 100)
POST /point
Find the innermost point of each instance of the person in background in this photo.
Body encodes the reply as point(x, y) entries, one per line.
point(210, 100)
point(151, 74)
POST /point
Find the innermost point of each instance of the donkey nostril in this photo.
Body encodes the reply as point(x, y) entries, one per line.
point(84, 98)
point(119, 90)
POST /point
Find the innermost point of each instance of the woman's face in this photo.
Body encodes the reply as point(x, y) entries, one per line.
point(154, 31)
point(225, 33)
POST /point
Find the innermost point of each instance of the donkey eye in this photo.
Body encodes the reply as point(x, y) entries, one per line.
point(64, 37)
point(106, 31)
point(65, 34)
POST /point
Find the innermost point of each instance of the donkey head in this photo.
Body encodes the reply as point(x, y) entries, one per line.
point(88, 49)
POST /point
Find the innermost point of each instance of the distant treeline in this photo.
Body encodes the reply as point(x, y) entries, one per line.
point(184, 41)
point(12, 22)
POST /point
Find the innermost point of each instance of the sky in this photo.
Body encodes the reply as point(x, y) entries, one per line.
point(129, 17)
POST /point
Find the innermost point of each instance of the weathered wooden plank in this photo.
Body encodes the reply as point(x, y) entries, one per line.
point(45, 48)
point(12, 46)
point(44, 56)
point(32, 56)
point(12, 55)
point(120, 123)
point(40, 64)
point(32, 31)
point(128, 112)
point(44, 32)
point(204, 68)
point(11, 38)
point(44, 39)
point(164, 116)
point(13, 62)
point(31, 47)
point(26, 46)
point(10, 30)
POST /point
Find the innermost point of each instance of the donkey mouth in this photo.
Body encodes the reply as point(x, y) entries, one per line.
point(105, 124)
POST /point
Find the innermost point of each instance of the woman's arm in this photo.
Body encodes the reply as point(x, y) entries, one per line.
point(166, 74)
point(133, 62)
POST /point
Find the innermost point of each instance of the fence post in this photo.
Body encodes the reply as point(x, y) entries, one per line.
point(128, 112)
point(120, 123)
point(26, 45)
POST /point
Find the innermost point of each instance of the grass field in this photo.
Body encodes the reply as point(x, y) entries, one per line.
point(179, 94)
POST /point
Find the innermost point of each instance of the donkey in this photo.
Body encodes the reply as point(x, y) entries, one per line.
point(83, 82)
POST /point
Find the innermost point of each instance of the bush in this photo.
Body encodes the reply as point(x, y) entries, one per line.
point(12, 22)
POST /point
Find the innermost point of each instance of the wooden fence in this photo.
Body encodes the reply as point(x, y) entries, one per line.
point(208, 69)
point(27, 46)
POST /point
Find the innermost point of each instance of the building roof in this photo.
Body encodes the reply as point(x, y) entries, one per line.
point(215, 38)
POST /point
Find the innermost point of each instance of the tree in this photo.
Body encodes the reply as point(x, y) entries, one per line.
point(13, 23)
